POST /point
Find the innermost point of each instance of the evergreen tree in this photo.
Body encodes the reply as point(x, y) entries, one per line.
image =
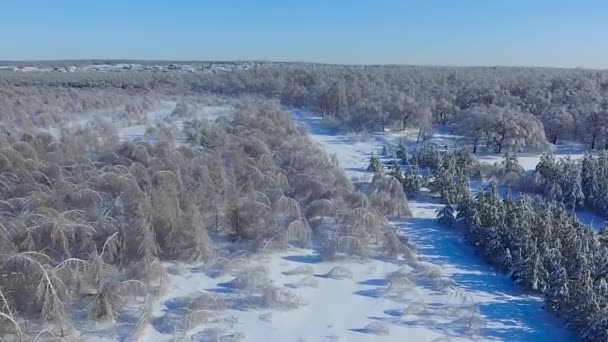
point(446, 215)
point(395, 170)
point(426, 156)
point(602, 234)
point(572, 190)
point(375, 165)
point(557, 293)
point(511, 163)
point(466, 209)
point(547, 166)
point(384, 151)
point(411, 181)
point(401, 152)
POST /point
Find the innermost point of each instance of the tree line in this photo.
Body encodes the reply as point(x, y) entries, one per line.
point(538, 240)
point(544, 248)
point(505, 108)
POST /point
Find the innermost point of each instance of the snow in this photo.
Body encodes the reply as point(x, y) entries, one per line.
point(333, 309)
point(466, 301)
point(590, 219)
point(528, 159)
point(211, 113)
point(509, 314)
point(133, 132)
point(152, 118)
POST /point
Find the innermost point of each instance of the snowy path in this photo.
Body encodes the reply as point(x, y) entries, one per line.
point(508, 313)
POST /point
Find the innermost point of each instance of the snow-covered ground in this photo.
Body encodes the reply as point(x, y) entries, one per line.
point(152, 118)
point(507, 312)
point(155, 117)
point(454, 296)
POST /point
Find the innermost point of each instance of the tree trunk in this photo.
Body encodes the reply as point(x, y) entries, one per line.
point(237, 227)
point(217, 219)
point(442, 119)
point(419, 134)
point(555, 139)
point(475, 145)
point(593, 140)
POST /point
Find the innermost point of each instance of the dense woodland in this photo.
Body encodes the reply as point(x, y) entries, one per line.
point(86, 220)
point(501, 108)
point(544, 249)
point(537, 240)
point(90, 222)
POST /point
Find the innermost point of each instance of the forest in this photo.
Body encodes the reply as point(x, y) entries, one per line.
point(506, 108)
point(88, 218)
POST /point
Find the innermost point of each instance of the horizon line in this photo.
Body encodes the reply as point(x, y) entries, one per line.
point(151, 60)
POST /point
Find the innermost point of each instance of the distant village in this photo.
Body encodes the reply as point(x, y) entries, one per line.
point(209, 67)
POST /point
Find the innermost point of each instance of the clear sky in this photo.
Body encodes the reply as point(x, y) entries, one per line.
point(440, 32)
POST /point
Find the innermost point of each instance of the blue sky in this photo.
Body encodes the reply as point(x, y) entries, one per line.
point(438, 32)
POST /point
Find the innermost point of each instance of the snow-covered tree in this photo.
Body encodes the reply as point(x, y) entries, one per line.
point(446, 215)
point(375, 165)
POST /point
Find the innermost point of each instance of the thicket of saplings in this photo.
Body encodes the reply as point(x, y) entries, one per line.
point(505, 107)
point(573, 184)
point(446, 174)
point(86, 220)
point(538, 241)
point(41, 106)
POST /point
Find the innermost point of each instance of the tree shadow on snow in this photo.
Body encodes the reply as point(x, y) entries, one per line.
point(356, 169)
point(441, 246)
point(522, 315)
point(374, 282)
point(371, 293)
point(304, 259)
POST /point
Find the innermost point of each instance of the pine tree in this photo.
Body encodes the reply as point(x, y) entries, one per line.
point(511, 163)
point(395, 170)
point(557, 293)
point(587, 179)
point(384, 151)
point(531, 269)
point(465, 208)
point(602, 234)
point(573, 195)
point(375, 165)
point(401, 152)
point(411, 181)
point(547, 166)
point(446, 215)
